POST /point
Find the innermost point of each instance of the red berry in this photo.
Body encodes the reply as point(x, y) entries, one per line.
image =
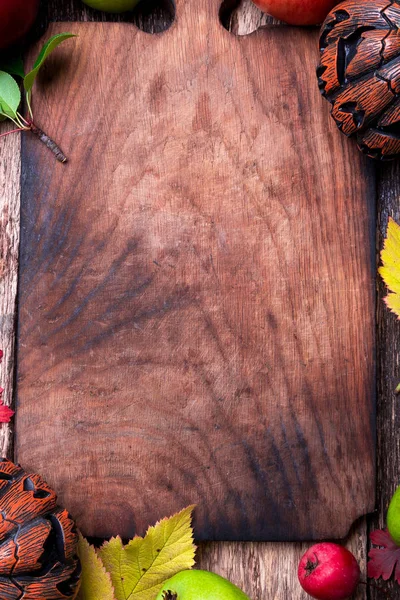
point(16, 18)
point(329, 572)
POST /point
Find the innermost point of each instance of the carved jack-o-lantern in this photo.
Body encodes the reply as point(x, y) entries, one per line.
point(38, 540)
point(359, 72)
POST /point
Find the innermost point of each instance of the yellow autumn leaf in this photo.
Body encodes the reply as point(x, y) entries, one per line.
point(390, 269)
point(95, 581)
point(139, 569)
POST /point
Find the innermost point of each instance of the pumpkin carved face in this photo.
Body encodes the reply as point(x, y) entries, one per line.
point(38, 540)
point(359, 72)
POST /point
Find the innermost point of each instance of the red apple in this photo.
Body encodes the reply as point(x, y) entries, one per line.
point(329, 572)
point(16, 18)
point(297, 12)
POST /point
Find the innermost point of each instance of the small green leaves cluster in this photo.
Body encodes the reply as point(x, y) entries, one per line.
point(12, 70)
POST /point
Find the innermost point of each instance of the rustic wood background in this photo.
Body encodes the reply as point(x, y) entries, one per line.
point(262, 570)
point(290, 406)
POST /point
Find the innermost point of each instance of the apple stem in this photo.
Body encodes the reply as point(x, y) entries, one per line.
point(376, 587)
point(48, 142)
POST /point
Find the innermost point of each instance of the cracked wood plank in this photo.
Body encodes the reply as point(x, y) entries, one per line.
point(9, 247)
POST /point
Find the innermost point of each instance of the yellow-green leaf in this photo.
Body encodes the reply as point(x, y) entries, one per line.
point(390, 269)
point(110, 554)
point(139, 569)
point(95, 581)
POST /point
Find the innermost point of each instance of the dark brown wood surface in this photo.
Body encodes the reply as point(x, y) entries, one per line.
point(189, 291)
point(388, 372)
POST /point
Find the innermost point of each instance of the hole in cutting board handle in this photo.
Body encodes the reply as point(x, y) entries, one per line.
point(151, 16)
point(227, 10)
point(231, 10)
point(154, 16)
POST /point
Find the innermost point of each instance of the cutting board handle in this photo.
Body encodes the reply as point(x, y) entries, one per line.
point(194, 9)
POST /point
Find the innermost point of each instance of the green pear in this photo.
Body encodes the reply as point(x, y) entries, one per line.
point(199, 585)
point(112, 6)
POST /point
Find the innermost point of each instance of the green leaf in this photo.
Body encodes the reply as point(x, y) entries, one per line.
point(10, 96)
point(12, 64)
point(139, 569)
point(45, 52)
point(95, 581)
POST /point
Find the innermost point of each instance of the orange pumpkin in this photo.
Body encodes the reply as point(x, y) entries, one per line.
point(359, 72)
point(38, 540)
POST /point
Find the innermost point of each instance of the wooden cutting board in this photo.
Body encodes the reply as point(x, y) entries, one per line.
point(196, 295)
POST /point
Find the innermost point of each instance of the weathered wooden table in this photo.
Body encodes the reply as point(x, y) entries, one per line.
point(262, 570)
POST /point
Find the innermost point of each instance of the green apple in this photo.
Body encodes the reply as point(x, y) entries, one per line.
point(199, 585)
point(393, 517)
point(112, 6)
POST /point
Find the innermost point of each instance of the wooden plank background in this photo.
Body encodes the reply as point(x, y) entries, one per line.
point(262, 570)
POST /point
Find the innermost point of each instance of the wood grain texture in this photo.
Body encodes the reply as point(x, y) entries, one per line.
point(388, 407)
point(9, 248)
point(264, 570)
point(269, 570)
point(231, 310)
